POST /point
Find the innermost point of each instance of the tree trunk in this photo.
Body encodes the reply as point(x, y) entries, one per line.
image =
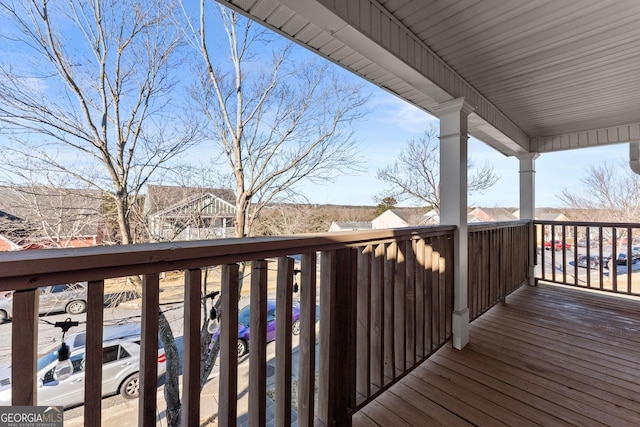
point(171, 387)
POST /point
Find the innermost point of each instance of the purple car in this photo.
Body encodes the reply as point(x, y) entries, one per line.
point(244, 321)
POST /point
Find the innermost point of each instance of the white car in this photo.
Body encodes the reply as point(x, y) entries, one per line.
point(70, 298)
point(120, 369)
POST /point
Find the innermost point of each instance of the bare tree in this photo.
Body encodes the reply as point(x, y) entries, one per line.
point(91, 99)
point(87, 92)
point(608, 191)
point(289, 219)
point(278, 120)
point(415, 175)
point(51, 217)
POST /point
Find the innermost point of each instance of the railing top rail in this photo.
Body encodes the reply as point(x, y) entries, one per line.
point(29, 269)
point(493, 225)
point(589, 224)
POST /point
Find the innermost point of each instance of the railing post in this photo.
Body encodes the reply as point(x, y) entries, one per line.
point(336, 388)
point(307, 350)
point(93, 355)
point(191, 356)
point(284, 299)
point(147, 403)
point(228, 385)
point(258, 349)
point(24, 347)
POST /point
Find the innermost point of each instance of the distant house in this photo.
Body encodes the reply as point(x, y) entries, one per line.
point(489, 215)
point(546, 214)
point(401, 217)
point(189, 213)
point(37, 217)
point(350, 225)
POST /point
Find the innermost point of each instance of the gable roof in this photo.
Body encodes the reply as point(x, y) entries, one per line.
point(162, 199)
point(350, 225)
point(490, 214)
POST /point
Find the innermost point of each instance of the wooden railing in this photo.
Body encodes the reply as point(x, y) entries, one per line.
point(498, 262)
point(385, 299)
point(600, 256)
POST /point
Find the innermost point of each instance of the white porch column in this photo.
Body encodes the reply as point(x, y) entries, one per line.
point(453, 204)
point(528, 202)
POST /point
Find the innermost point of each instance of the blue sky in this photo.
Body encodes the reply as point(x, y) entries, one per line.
point(392, 122)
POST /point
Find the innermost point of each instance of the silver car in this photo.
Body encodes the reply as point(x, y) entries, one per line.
point(120, 368)
point(70, 297)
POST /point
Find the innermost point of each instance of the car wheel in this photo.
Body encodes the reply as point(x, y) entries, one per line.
point(3, 316)
point(76, 307)
point(295, 328)
point(130, 388)
point(242, 347)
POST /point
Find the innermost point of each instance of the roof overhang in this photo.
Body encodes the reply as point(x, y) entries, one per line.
point(542, 76)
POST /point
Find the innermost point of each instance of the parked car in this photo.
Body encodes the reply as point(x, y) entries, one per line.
point(71, 298)
point(589, 262)
point(244, 316)
point(592, 243)
point(557, 245)
point(120, 368)
point(622, 259)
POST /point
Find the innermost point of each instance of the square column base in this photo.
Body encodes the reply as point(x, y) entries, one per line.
point(460, 328)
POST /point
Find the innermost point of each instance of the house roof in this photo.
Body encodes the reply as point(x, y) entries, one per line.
point(542, 75)
point(491, 214)
point(65, 212)
point(353, 225)
point(162, 198)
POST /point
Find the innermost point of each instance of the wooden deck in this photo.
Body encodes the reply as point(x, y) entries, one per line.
point(552, 356)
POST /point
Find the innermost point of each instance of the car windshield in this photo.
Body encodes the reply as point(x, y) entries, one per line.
point(244, 316)
point(48, 358)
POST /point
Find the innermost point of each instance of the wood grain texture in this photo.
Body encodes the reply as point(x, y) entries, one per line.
point(550, 356)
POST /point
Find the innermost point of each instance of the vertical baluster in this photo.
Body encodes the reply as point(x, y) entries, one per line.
point(437, 286)
point(363, 333)
point(326, 393)
point(389, 315)
point(377, 318)
point(228, 408)
point(307, 346)
point(258, 345)
point(448, 243)
point(429, 301)
point(613, 269)
point(149, 353)
point(343, 347)
point(630, 259)
point(284, 298)
point(24, 347)
point(601, 255)
point(93, 355)
point(400, 312)
point(191, 348)
point(410, 258)
point(420, 303)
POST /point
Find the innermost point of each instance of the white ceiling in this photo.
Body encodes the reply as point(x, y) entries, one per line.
point(543, 75)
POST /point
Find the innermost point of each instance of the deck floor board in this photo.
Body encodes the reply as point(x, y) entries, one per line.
point(551, 356)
